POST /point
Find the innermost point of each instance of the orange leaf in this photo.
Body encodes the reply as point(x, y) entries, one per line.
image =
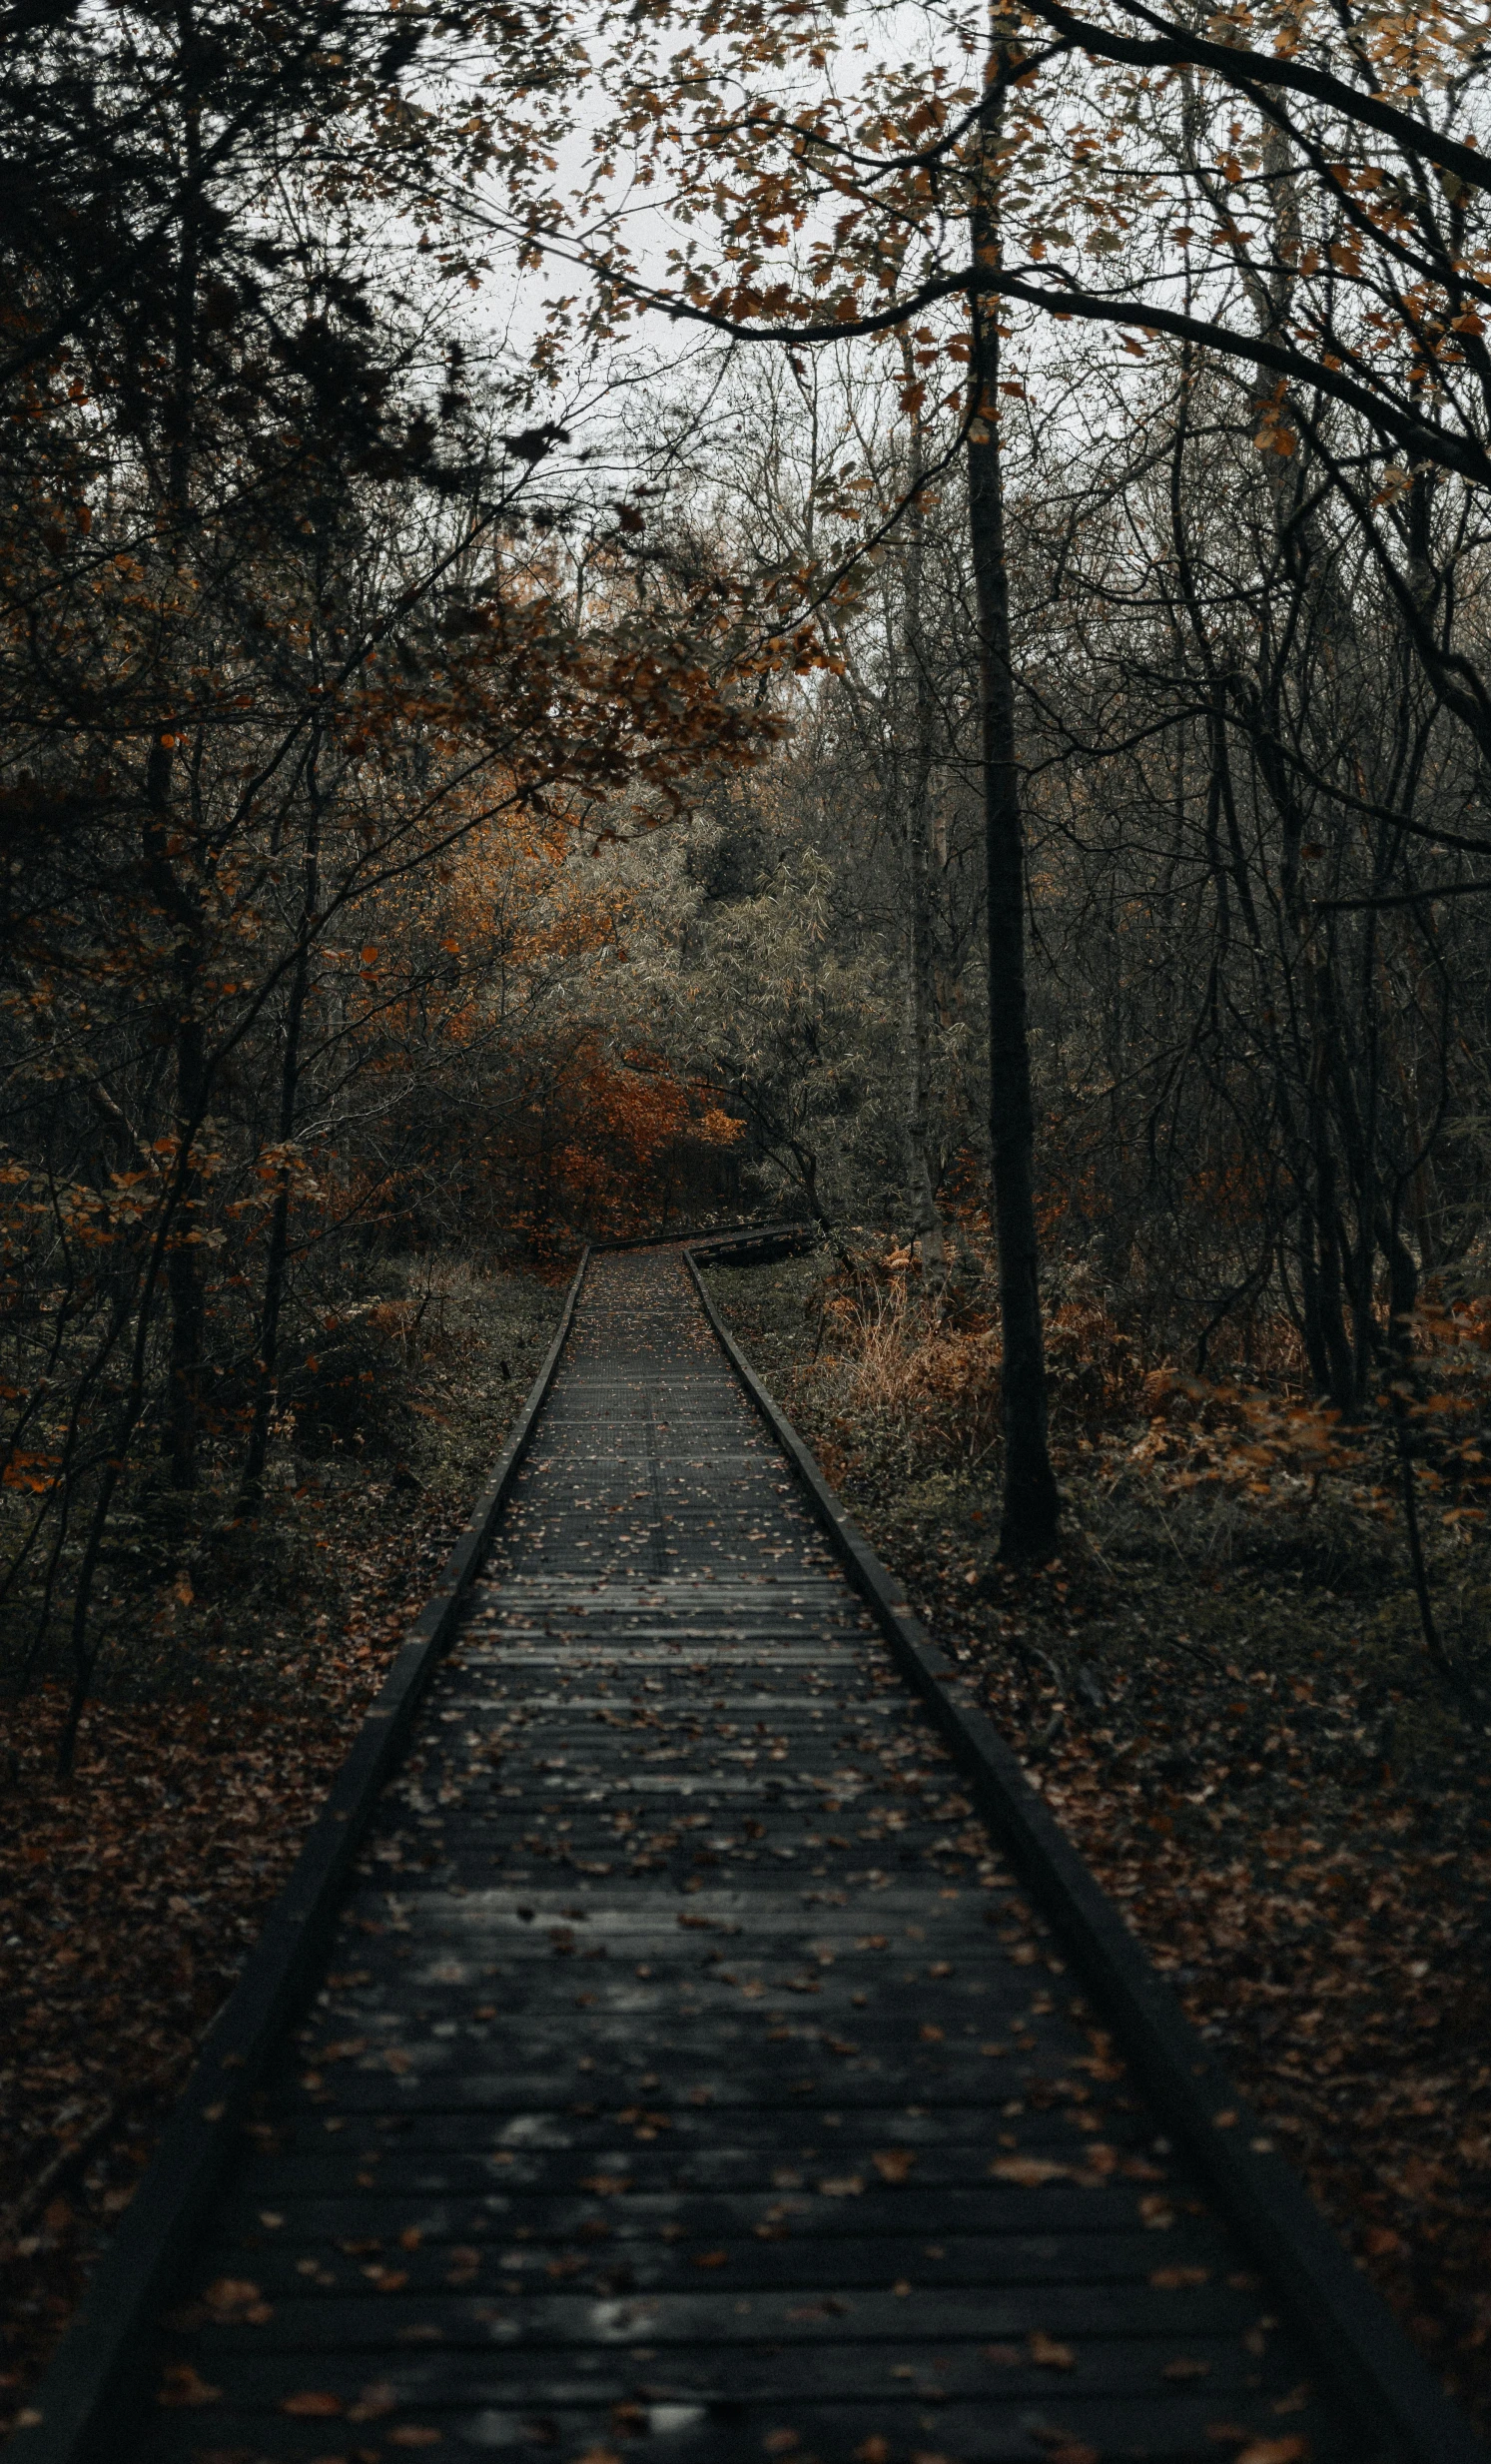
point(1029, 2171)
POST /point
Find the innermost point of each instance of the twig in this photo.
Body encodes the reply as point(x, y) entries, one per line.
point(15, 2218)
point(1433, 1641)
point(39, 2188)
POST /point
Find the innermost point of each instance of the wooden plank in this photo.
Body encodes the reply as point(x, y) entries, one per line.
point(697, 2430)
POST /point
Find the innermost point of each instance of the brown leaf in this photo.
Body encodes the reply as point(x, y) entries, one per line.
point(233, 2299)
point(374, 2401)
point(180, 2385)
point(1028, 2172)
point(312, 2405)
point(893, 2163)
point(1047, 2354)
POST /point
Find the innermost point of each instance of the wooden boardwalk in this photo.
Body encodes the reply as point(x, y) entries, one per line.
point(689, 2081)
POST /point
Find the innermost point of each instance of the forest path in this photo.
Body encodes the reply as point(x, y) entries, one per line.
point(690, 2082)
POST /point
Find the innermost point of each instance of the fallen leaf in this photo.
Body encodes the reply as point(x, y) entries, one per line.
point(893, 2163)
point(181, 2385)
point(312, 2405)
point(373, 2402)
point(1029, 2171)
point(1047, 2354)
point(843, 2186)
point(233, 2299)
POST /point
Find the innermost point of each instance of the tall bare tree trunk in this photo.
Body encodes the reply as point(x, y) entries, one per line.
point(915, 779)
point(277, 1259)
point(182, 898)
point(1031, 1508)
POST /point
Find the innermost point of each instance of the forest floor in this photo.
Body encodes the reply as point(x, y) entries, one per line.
point(1230, 1710)
point(130, 1897)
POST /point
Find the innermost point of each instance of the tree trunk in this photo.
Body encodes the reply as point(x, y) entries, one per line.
point(915, 783)
point(1031, 1511)
point(278, 1258)
point(182, 900)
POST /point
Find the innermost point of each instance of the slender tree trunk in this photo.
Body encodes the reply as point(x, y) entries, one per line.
point(278, 1257)
point(916, 788)
point(182, 900)
point(184, 1397)
point(1031, 1507)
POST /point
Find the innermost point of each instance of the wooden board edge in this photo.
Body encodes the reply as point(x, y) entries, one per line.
point(729, 1233)
point(93, 2379)
point(1402, 2409)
